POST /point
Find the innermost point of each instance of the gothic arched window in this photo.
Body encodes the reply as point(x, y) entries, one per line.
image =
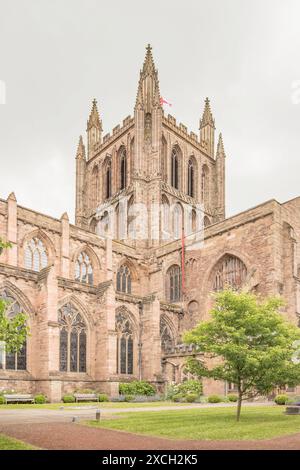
point(165, 218)
point(185, 375)
point(164, 170)
point(108, 181)
point(12, 360)
point(177, 221)
point(166, 337)
point(124, 280)
point(206, 221)
point(174, 283)
point(35, 255)
point(174, 169)
point(191, 179)
point(83, 269)
point(205, 185)
point(72, 340)
point(230, 271)
point(124, 344)
point(95, 185)
point(123, 168)
point(131, 219)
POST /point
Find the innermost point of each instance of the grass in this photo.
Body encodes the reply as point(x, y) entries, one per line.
point(8, 443)
point(208, 424)
point(55, 406)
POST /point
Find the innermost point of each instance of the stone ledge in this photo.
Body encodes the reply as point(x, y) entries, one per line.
point(17, 271)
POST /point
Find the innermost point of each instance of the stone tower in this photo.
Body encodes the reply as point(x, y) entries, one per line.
point(165, 173)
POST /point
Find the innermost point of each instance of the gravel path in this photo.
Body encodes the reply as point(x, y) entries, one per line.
point(40, 415)
point(68, 436)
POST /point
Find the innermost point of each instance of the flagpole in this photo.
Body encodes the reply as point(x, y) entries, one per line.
point(182, 264)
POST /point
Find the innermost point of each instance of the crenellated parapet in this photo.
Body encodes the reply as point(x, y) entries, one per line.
point(181, 131)
point(109, 139)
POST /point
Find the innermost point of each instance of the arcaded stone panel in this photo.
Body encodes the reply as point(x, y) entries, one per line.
point(252, 242)
point(151, 348)
point(189, 149)
point(109, 148)
point(105, 337)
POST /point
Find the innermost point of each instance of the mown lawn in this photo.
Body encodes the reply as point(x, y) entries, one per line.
point(208, 424)
point(55, 406)
point(8, 443)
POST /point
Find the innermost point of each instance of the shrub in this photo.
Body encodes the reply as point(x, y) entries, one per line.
point(281, 399)
point(136, 388)
point(40, 399)
point(2, 400)
point(191, 397)
point(179, 397)
point(214, 399)
point(129, 397)
point(117, 399)
point(189, 386)
point(232, 397)
point(170, 392)
point(68, 398)
point(103, 397)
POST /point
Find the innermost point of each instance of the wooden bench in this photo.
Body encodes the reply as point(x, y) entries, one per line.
point(86, 397)
point(18, 398)
point(292, 410)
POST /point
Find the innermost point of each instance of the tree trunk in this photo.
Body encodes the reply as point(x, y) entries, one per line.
point(239, 406)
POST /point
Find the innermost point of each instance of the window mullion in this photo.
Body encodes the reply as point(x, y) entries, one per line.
point(68, 350)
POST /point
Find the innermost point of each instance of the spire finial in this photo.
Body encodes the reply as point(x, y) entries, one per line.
point(65, 216)
point(80, 149)
point(12, 197)
point(207, 117)
point(220, 147)
point(148, 66)
point(94, 119)
point(143, 99)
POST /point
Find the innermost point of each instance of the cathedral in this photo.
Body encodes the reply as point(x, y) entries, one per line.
point(109, 297)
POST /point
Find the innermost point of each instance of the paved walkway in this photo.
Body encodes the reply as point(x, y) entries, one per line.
point(63, 415)
point(67, 436)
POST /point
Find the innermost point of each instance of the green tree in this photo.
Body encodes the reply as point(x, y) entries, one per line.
point(246, 342)
point(4, 245)
point(13, 331)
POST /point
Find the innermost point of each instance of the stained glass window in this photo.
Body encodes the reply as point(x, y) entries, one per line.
point(124, 280)
point(230, 271)
point(12, 360)
point(63, 350)
point(177, 221)
point(191, 177)
point(174, 283)
point(35, 255)
point(167, 341)
point(82, 351)
point(74, 351)
point(123, 168)
point(125, 347)
point(72, 340)
point(84, 269)
point(174, 169)
point(205, 185)
point(108, 181)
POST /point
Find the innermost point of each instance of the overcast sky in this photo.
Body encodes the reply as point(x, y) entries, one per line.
point(56, 56)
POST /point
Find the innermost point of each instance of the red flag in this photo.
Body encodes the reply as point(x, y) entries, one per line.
point(163, 101)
